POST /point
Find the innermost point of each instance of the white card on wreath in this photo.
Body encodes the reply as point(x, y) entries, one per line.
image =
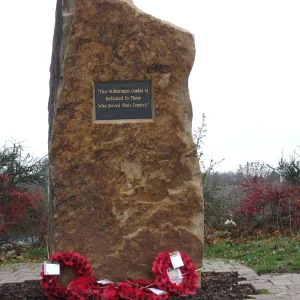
point(105, 281)
point(175, 275)
point(51, 268)
point(176, 259)
point(156, 291)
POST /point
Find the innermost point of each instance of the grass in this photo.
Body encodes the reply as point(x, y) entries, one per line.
point(264, 255)
point(24, 254)
point(37, 253)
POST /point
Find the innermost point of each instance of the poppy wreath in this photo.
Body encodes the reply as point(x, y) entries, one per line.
point(109, 292)
point(85, 286)
point(136, 289)
point(81, 287)
point(188, 285)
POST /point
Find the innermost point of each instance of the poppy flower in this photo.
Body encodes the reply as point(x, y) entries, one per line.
point(126, 290)
point(82, 284)
point(109, 292)
point(155, 267)
point(181, 291)
point(67, 256)
point(191, 289)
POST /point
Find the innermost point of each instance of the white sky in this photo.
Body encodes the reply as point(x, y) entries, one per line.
point(246, 77)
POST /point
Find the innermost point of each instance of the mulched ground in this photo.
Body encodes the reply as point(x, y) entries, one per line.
point(215, 286)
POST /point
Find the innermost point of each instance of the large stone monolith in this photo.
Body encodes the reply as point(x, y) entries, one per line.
point(124, 173)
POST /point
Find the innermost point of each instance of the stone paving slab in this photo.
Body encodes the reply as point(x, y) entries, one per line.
point(280, 286)
point(13, 273)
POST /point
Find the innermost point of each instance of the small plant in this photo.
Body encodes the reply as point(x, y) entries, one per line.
point(263, 292)
point(212, 205)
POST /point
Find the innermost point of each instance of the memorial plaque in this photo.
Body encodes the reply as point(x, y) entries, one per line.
point(123, 100)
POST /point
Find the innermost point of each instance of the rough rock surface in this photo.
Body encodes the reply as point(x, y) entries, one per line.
point(121, 193)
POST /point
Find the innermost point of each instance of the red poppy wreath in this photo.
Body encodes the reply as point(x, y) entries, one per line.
point(138, 289)
point(162, 266)
point(83, 285)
